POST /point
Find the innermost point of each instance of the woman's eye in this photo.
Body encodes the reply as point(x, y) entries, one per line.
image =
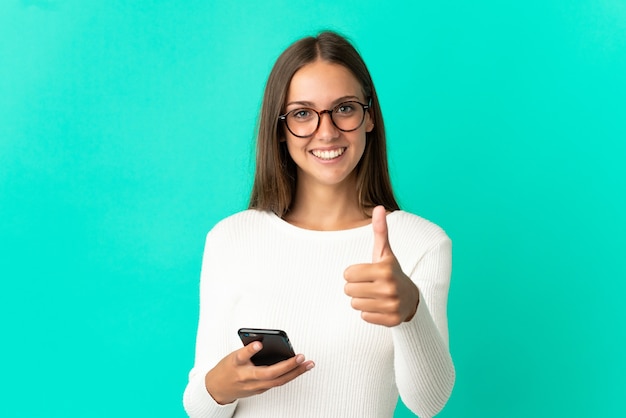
point(301, 113)
point(345, 108)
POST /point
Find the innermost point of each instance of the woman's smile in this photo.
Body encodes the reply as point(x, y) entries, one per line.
point(328, 154)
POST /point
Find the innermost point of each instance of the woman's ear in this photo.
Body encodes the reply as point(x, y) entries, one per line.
point(369, 124)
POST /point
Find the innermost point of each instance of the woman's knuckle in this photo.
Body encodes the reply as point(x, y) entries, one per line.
point(387, 273)
point(394, 305)
point(390, 290)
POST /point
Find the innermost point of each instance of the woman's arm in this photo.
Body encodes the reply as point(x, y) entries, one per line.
point(414, 307)
point(220, 377)
point(216, 302)
point(424, 370)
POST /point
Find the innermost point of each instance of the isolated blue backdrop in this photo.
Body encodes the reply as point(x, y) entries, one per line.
point(126, 132)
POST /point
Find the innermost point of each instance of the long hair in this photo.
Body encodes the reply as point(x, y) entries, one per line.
point(276, 173)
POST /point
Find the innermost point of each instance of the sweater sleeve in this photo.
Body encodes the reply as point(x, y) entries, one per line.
point(423, 365)
point(211, 340)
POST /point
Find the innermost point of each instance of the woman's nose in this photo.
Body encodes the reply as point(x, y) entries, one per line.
point(327, 129)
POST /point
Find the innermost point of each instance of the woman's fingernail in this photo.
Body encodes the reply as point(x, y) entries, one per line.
point(299, 359)
point(310, 366)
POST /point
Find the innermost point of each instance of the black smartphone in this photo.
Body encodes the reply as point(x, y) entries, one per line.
point(276, 345)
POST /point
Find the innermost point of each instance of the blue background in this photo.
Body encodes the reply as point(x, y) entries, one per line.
point(126, 133)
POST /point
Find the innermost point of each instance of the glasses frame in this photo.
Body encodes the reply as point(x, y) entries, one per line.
point(365, 107)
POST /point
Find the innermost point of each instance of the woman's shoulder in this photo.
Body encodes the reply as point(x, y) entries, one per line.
point(242, 219)
point(412, 226)
point(240, 223)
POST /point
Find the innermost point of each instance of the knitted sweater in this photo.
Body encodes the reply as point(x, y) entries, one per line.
point(259, 271)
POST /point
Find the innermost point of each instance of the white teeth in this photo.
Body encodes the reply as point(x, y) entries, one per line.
point(328, 155)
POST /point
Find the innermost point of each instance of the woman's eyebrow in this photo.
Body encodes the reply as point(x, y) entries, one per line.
point(345, 98)
point(334, 102)
point(299, 102)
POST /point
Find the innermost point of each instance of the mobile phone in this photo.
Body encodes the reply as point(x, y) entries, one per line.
point(276, 345)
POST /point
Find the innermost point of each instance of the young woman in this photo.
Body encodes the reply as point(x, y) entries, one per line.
point(324, 253)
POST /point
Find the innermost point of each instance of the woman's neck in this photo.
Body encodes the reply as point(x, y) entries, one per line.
point(327, 208)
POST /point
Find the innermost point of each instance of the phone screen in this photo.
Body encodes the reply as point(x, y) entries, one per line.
point(276, 345)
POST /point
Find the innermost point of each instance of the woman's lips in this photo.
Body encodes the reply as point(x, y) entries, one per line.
point(328, 154)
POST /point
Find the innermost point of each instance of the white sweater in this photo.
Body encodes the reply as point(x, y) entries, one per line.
point(259, 271)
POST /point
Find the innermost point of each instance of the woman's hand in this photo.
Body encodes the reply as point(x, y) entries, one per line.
point(235, 376)
point(380, 290)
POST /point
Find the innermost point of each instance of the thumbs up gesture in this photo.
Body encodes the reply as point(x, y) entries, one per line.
point(380, 290)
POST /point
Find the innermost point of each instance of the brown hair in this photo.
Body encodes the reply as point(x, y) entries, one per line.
point(276, 174)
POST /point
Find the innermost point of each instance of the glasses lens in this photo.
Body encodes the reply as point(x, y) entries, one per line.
point(302, 122)
point(346, 116)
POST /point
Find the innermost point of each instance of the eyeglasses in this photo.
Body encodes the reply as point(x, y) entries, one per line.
point(347, 117)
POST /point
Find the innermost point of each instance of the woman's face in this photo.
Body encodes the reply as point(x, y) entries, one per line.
point(329, 156)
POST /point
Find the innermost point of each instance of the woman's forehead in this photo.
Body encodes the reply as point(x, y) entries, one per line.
point(322, 83)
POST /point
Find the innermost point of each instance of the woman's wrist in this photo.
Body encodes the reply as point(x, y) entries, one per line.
point(210, 388)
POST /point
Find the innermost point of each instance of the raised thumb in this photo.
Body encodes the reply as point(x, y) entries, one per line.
point(381, 235)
